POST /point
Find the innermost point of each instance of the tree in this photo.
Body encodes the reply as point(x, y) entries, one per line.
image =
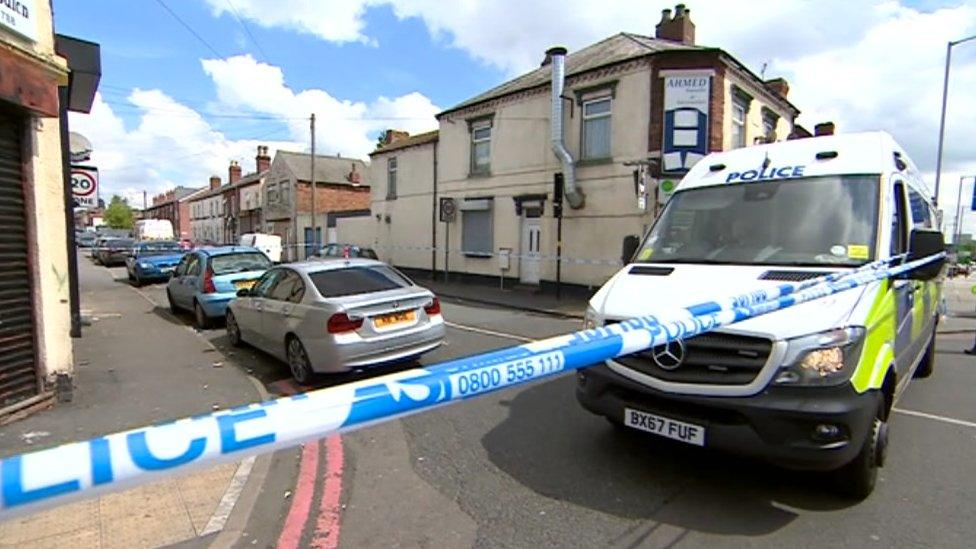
point(118, 215)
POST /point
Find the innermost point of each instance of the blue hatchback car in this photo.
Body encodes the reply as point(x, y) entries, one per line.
point(206, 279)
point(152, 260)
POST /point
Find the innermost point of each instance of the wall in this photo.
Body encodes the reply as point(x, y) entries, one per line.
point(522, 162)
point(360, 231)
point(44, 190)
point(754, 119)
point(409, 213)
point(332, 198)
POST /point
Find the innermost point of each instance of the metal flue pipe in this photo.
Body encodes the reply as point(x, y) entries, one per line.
point(573, 194)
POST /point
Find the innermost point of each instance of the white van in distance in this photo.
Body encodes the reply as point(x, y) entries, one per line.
point(153, 229)
point(809, 387)
point(270, 244)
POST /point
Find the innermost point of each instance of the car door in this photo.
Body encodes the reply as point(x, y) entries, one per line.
point(904, 290)
point(173, 285)
point(279, 306)
point(251, 320)
point(185, 287)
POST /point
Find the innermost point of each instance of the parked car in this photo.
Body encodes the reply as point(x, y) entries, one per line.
point(206, 279)
point(331, 316)
point(113, 251)
point(98, 245)
point(152, 260)
point(85, 239)
point(346, 251)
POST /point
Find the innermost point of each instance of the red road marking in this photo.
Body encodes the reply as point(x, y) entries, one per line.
point(326, 535)
point(291, 533)
point(327, 526)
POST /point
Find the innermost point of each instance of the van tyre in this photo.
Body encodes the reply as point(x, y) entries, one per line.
point(200, 317)
point(927, 365)
point(858, 478)
point(298, 363)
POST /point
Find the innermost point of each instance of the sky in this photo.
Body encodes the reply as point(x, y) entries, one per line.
point(188, 85)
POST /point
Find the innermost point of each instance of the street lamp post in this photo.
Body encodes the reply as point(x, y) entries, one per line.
point(959, 210)
point(945, 93)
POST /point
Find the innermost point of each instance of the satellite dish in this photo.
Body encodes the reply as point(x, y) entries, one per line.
point(81, 147)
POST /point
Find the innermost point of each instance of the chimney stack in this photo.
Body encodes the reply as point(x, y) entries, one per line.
point(262, 162)
point(823, 128)
point(214, 182)
point(678, 28)
point(779, 86)
point(392, 136)
point(233, 172)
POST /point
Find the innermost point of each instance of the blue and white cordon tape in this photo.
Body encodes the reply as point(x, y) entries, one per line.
point(45, 478)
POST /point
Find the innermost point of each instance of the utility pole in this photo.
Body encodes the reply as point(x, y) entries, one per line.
point(312, 177)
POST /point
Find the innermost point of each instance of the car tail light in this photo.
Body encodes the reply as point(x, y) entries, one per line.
point(340, 322)
point(434, 308)
point(208, 283)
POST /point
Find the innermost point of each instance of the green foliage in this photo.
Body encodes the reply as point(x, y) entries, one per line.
point(118, 215)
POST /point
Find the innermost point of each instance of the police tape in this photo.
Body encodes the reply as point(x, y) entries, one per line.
point(482, 254)
point(57, 475)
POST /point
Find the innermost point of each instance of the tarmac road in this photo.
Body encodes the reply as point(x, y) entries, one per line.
point(528, 467)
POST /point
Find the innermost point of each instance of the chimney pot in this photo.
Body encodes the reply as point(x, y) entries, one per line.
point(214, 182)
point(665, 16)
point(779, 86)
point(262, 162)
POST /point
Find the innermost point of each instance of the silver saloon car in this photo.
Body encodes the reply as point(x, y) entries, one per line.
point(336, 315)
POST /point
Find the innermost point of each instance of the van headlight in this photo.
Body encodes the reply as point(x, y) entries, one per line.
point(590, 318)
point(822, 359)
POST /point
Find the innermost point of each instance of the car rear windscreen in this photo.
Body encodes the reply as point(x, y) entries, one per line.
point(239, 263)
point(357, 280)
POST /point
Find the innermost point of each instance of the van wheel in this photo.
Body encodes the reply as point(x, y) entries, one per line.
point(858, 478)
point(927, 365)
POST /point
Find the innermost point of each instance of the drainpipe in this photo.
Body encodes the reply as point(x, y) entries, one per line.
point(574, 195)
point(433, 221)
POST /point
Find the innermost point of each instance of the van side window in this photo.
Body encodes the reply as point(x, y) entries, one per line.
point(921, 216)
point(898, 221)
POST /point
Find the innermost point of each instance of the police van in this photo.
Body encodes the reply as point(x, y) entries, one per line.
point(810, 387)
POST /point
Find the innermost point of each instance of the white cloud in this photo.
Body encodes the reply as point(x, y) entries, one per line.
point(170, 145)
point(334, 20)
point(342, 126)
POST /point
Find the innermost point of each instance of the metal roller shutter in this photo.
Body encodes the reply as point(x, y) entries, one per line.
point(18, 373)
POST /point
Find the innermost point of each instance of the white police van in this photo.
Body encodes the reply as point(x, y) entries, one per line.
point(808, 387)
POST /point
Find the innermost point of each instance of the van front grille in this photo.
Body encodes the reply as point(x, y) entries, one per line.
point(706, 359)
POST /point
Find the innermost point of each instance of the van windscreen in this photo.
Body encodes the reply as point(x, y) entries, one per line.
point(812, 221)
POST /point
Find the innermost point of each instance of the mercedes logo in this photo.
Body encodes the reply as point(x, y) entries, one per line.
point(669, 356)
point(396, 304)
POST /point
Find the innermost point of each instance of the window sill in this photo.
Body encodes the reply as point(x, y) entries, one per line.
point(584, 162)
point(476, 175)
point(482, 255)
point(391, 197)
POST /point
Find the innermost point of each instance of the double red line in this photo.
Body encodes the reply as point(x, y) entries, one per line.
point(327, 523)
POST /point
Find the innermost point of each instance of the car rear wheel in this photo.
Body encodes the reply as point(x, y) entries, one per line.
point(298, 363)
point(233, 330)
point(172, 304)
point(202, 321)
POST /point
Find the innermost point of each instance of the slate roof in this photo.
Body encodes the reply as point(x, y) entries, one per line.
point(615, 49)
point(328, 169)
point(419, 139)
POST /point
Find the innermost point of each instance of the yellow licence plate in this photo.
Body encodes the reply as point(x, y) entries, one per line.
point(244, 284)
point(392, 319)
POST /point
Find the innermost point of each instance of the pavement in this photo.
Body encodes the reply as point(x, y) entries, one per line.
point(571, 303)
point(132, 369)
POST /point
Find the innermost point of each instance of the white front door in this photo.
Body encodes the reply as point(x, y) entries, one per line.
point(530, 250)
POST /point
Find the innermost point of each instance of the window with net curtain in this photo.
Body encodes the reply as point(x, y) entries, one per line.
point(738, 125)
point(596, 128)
point(481, 147)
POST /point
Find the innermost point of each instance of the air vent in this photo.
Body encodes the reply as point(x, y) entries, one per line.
point(791, 276)
point(650, 271)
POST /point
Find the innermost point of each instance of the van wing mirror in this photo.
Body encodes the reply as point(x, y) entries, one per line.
point(631, 243)
point(924, 243)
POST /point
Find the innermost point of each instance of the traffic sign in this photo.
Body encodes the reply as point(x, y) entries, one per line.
point(84, 186)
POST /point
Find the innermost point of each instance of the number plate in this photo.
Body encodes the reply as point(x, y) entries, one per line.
point(665, 427)
point(244, 284)
point(392, 319)
point(166, 270)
